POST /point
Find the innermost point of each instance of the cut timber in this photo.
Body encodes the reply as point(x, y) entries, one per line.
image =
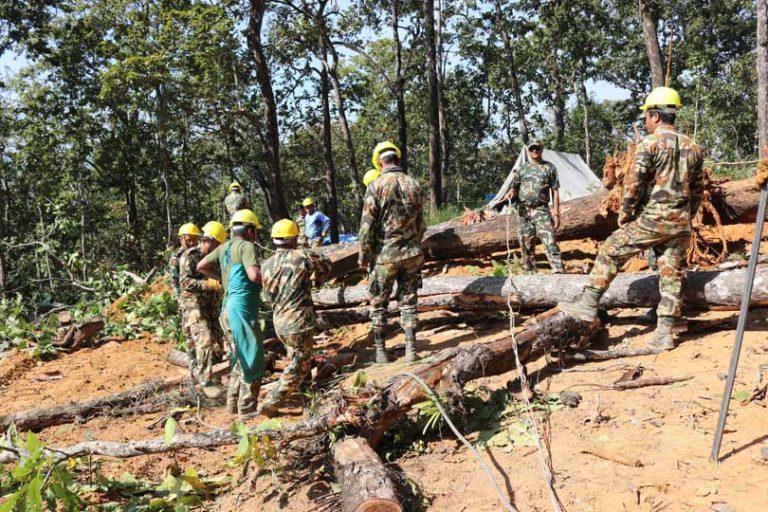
point(580, 219)
point(43, 417)
point(75, 335)
point(712, 289)
point(365, 483)
point(448, 370)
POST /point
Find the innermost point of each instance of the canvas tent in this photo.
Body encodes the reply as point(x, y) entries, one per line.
point(576, 179)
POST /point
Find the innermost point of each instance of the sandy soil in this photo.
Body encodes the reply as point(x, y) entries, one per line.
point(669, 429)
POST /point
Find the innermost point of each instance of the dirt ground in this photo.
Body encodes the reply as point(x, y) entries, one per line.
point(668, 429)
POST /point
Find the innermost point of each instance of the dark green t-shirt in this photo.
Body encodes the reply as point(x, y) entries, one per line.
point(241, 251)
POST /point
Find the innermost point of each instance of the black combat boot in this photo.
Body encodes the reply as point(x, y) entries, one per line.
point(410, 345)
point(378, 340)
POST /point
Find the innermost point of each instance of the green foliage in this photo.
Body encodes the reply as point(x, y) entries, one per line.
point(257, 448)
point(36, 481)
point(443, 214)
point(158, 316)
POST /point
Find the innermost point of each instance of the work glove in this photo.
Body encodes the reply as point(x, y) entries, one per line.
point(211, 285)
point(762, 172)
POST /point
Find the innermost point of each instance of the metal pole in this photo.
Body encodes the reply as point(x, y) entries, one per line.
point(740, 327)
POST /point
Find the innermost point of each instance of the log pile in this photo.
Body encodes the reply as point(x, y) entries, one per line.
point(581, 218)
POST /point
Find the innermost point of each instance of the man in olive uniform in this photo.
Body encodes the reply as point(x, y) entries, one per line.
point(287, 286)
point(660, 196)
point(235, 200)
point(532, 185)
point(199, 307)
point(391, 228)
point(237, 262)
point(301, 221)
point(188, 236)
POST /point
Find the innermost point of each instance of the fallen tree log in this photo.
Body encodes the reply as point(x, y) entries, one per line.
point(373, 409)
point(711, 289)
point(581, 218)
point(43, 417)
point(365, 483)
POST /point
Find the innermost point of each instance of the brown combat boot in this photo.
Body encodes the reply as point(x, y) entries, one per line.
point(662, 336)
point(585, 308)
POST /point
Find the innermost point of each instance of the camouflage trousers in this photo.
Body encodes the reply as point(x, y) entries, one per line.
point(632, 239)
point(537, 220)
point(299, 347)
point(205, 340)
point(407, 274)
point(242, 397)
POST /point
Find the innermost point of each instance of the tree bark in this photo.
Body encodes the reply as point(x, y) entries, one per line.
point(441, 103)
point(584, 100)
point(435, 178)
point(165, 158)
point(581, 219)
point(278, 208)
point(364, 480)
point(330, 167)
point(514, 81)
point(3, 229)
point(762, 76)
point(710, 289)
point(402, 122)
point(649, 19)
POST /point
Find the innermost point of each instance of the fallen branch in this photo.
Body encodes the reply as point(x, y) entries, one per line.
point(43, 417)
point(613, 457)
point(585, 356)
point(651, 381)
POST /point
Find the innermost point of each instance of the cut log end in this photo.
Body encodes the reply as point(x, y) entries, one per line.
point(365, 482)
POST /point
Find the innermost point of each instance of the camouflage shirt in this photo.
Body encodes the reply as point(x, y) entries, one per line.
point(302, 238)
point(173, 270)
point(664, 188)
point(392, 223)
point(287, 286)
point(532, 182)
point(235, 201)
point(191, 281)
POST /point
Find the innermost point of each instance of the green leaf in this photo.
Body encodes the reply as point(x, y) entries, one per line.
point(741, 396)
point(361, 379)
point(170, 430)
point(10, 501)
point(269, 424)
point(34, 498)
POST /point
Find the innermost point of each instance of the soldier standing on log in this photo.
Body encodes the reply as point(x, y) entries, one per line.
point(532, 185)
point(661, 195)
point(391, 229)
point(236, 200)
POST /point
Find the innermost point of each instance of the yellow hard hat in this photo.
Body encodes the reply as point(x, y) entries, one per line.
point(663, 98)
point(370, 176)
point(234, 184)
point(308, 201)
point(189, 229)
point(380, 148)
point(245, 217)
point(216, 231)
point(285, 228)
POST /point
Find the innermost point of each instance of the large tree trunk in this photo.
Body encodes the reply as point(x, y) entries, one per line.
point(649, 19)
point(581, 219)
point(278, 209)
point(711, 289)
point(330, 167)
point(584, 100)
point(3, 229)
point(363, 478)
point(402, 122)
point(514, 81)
point(762, 76)
point(435, 178)
point(165, 158)
point(441, 102)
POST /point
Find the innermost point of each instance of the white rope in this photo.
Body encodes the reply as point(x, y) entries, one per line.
point(545, 469)
point(486, 469)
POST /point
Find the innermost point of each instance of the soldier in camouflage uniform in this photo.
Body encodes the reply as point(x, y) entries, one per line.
point(301, 220)
point(391, 229)
point(200, 306)
point(532, 185)
point(287, 286)
point(188, 235)
point(660, 197)
point(235, 200)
